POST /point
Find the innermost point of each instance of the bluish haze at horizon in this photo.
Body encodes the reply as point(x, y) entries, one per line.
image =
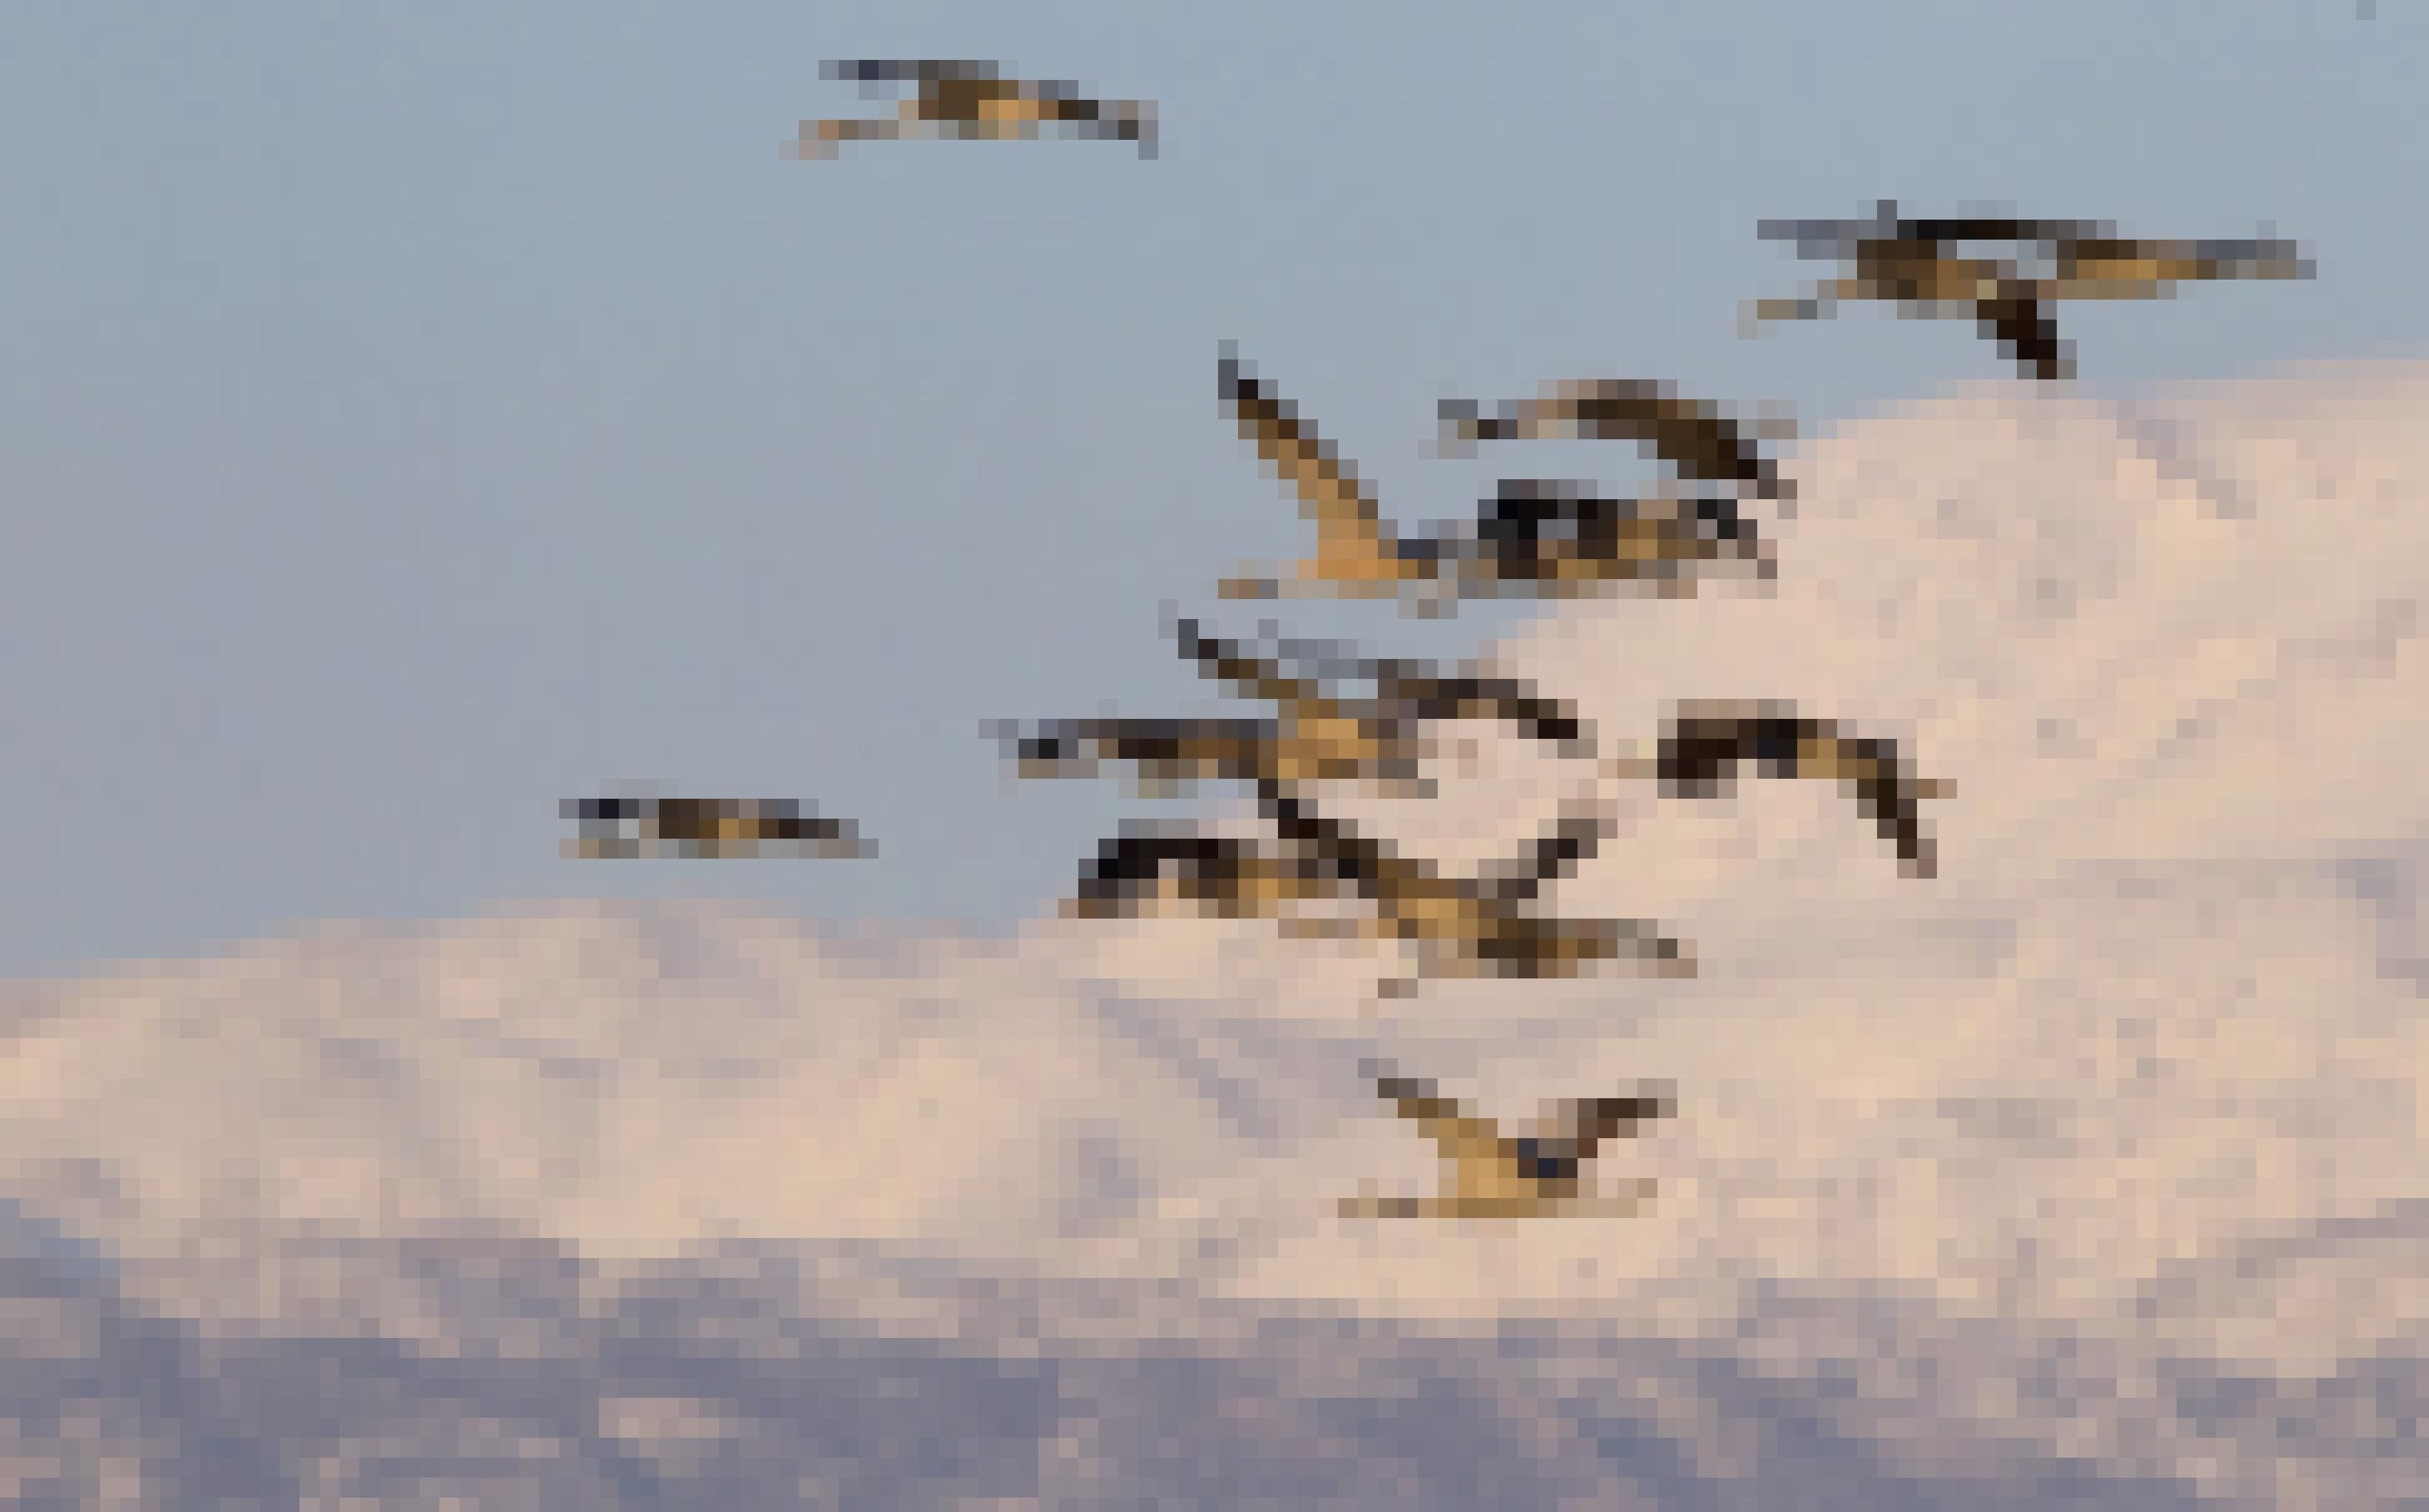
point(415, 418)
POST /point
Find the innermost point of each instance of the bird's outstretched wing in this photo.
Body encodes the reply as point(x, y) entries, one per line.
point(1074, 748)
point(1584, 1126)
point(907, 70)
point(1250, 677)
point(1460, 1135)
point(1574, 837)
point(2027, 335)
point(2117, 268)
point(1696, 438)
point(1946, 230)
point(1888, 794)
point(1329, 489)
point(1838, 238)
point(1408, 689)
point(1416, 691)
point(1831, 238)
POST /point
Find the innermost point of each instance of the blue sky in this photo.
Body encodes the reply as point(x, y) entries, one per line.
point(416, 416)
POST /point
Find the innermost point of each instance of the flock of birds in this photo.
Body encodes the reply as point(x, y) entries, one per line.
point(1537, 538)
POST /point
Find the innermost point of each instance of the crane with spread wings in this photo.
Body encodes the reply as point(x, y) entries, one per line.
point(1913, 262)
point(1695, 438)
point(667, 826)
point(1488, 1173)
point(971, 100)
point(1535, 539)
point(1320, 736)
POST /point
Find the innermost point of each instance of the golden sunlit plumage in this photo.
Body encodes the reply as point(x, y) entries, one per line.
point(1536, 539)
point(1908, 262)
point(1491, 1175)
point(972, 100)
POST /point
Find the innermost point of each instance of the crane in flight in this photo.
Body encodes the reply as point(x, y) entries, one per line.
point(1913, 263)
point(667, 826)
point(1488, 1173)
point(1319, 735)
point(1696, 439)
point(1459, 926)
point(973, 99)
point(1535, 539)
point(1698, 754)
